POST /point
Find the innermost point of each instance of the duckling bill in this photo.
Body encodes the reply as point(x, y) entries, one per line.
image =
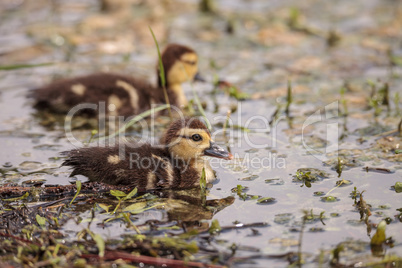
point(176, 164)
point(123, 95)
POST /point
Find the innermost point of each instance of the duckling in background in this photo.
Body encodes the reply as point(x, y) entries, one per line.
point(123, 95)
point(176, 164)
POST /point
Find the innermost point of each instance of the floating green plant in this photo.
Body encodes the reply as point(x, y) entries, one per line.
point(398, 187)
point(240, 191)
point(40, 220)
point(121, 196)
point(343, 182)
point(319, 193)
point(215, 227)
point(329, 199)
point(309, 175)
point(355, 194)
point(304, 177)
point(78, 184)
point(266, 200)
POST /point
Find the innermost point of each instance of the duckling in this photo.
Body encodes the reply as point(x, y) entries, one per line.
point(122, 95)
point(177, 163)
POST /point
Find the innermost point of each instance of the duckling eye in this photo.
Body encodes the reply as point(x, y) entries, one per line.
point(190, 62)
point(196, 137)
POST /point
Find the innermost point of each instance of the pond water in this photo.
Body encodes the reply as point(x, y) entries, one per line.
point(339, 58)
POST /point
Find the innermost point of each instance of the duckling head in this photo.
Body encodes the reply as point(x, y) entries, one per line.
point(181, 65)
point(189, 139)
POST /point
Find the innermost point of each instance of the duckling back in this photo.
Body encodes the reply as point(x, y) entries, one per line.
point(139, 167)
point(122, 95)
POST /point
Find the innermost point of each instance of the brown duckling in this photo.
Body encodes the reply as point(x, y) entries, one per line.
point(123, 95)
point(176, 164)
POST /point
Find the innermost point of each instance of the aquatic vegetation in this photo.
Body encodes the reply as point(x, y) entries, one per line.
point(162, 73)
point(363, 208)
point(289, 98)
point(78, 184)
point(329, 199)
point(398, 187)
point(286, 65)
point(309, 175)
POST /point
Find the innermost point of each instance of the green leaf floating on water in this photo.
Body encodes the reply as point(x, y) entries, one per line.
point(266, 200)
point(78, 184)
point(319, 193)
point(100, 243)
point(398, 187)
point(135, 206)
point(379, 236)
point(131, 194)
point(329, 198)
point(117, 193)
point(41, 220)
point(105, 207)
point(215, 227)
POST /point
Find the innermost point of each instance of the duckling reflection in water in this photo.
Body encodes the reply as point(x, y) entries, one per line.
point(189, 208)
point(123, 95)
point(177, 164)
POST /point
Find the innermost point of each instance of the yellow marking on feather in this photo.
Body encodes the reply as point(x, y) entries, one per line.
point(132, 92)
point(114, 104)
point(151, 180)
point(167, 166)
point(78, 89)
point(113, 159)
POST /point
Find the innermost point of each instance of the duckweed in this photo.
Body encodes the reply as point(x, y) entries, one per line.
point(398, 187)
point(329, 199)
point(266, 200)
point(319, 193)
